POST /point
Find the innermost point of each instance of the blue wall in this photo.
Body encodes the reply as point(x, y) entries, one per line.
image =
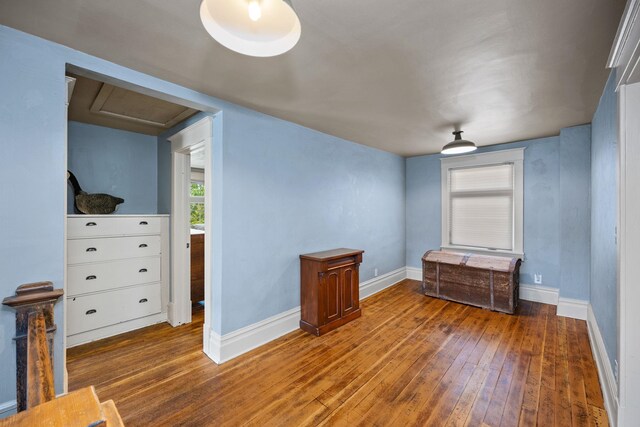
point(604, 202)
point(291, 190)
point(115, 162)
point(556, 209)
point(33, 176)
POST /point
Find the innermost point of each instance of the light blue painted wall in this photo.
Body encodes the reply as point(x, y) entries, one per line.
point(32, 172)
point(116, 162)
point(575, 215)
point(556, 209)
point(291, 190)
point(604, 202)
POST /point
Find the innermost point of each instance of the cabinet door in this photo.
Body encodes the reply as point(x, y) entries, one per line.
point(349, 289)
point(330, 296)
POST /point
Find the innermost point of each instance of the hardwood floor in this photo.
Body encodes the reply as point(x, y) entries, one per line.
point(409, 360)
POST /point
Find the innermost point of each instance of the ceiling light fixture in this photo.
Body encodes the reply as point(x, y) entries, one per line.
point(252, 27)
point(458, 145)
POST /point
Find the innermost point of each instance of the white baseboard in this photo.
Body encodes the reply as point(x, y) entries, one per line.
point(537, 293)
point(605, 372)
point(171, 310)
point(566, 307)
point(228, 346)
point(212, 345)
point(377, 284)
point(231, 345)
point(8, 408)
point(574, 308)
point(414, 273)
point(119, 328)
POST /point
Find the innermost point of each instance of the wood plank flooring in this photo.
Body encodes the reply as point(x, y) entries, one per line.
point(409, 360)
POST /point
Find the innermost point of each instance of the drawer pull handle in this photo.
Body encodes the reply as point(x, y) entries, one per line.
point(142, 270)
point(91, 224)
point(144, 223)
point(142, 245)
point(92, 311)
point(143, 300)
point(91, 249)
point(92, 277)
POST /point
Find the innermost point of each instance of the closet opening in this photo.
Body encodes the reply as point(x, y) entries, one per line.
point(128, 285)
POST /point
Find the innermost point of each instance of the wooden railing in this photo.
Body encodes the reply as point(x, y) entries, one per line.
point(35, 327)
point(35, 392)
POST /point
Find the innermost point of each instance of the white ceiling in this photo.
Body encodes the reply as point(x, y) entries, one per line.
point(396, 75)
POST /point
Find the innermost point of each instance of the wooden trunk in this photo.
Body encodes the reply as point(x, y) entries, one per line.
point(329, 289)
point(484, 281)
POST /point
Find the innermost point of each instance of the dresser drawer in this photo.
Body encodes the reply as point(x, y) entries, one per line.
point(98, 226)
point(86, 278)
point(88, 312)
point(112, 248)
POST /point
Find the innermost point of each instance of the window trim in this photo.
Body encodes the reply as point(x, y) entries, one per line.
point(515, 156)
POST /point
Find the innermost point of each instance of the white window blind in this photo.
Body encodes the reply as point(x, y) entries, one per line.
point(481, 211)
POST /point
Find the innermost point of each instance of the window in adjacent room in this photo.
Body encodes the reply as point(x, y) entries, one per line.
point(197, 203)
point(482, 201)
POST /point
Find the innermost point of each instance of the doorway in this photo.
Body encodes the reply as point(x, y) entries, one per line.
point(139, 162)
point(190, 172)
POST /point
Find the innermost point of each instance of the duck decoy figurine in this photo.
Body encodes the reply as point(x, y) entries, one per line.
point(92, 204)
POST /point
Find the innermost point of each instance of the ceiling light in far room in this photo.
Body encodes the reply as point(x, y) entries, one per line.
point(458, 145)
point(259, 28)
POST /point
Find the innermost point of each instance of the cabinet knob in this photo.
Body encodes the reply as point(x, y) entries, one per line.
point(92, 311)
point(143, 300)
point(142, 245)
point(144, 223)
point(91, 249)
point(91, 224)
point(142, 270)
point(92, 277)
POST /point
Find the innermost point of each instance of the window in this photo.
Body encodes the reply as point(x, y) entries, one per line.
point(482, 200)
point(197, 203)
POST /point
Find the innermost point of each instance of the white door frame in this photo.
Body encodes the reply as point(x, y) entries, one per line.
point(628, 253)
point(70, 84)
point(624, 59)
point(182, 143)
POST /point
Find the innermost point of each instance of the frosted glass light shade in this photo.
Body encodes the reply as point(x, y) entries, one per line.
point(275, 32)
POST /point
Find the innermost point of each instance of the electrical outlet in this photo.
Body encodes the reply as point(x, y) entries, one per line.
point(375, 272)
point(615, 370)
point(537, 278)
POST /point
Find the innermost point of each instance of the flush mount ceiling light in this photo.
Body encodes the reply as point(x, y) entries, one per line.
point(458, 145)
point(252, 27)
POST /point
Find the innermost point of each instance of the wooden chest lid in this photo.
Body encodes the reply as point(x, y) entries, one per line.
point(486, 262)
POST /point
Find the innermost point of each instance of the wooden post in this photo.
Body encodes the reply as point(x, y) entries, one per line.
point(35, 326)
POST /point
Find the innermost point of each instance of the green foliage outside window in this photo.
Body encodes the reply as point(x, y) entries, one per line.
point(197, 208)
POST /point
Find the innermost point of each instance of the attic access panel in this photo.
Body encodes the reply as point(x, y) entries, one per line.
point(104, 104)
point(125, 104)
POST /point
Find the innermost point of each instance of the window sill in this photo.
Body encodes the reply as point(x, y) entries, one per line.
point(483, 251)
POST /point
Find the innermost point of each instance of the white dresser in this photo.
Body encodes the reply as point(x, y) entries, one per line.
point(117, 274)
